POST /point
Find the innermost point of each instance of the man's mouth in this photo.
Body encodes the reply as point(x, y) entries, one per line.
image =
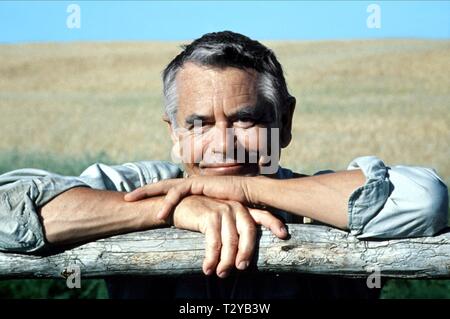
point(218, 165)
point(222, 168)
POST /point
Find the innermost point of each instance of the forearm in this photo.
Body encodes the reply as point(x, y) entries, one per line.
point(83, 214)
point(322, 197)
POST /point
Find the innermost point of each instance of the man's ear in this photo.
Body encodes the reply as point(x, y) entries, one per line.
point(172, 133)
point(286, 122)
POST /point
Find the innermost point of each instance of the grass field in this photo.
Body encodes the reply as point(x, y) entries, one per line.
point(65, 106)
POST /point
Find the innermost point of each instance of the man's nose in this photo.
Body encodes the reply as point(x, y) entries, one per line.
point(224, 140)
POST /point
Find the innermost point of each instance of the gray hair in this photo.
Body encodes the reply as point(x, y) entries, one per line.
point(229, 49)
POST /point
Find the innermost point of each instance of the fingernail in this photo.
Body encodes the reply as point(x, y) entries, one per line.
point(243, 265)
point(208, 272)
point(283, 229)
point(223, 274)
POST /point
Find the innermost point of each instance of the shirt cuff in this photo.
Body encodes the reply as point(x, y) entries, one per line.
point(21, 229)
point(366, 201)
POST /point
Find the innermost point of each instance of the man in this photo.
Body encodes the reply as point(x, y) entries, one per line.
point(225, 95)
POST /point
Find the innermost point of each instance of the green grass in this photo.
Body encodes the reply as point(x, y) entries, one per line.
point(62, 165)
point(52, 288)
point(424, 289)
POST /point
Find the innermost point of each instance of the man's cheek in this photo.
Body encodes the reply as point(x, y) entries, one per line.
point(262, 146)
point(251, 141)
point(192, 149)
point(270, 152)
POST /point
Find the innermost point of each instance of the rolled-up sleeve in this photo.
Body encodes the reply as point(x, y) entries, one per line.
point(24, 191)
point(129, 176)
point(397, 202)
point(21, 193)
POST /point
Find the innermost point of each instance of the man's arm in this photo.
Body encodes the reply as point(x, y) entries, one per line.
point(24, 192)
point(84, 214)
point(384, 202)
point(370, 199)
point(323, 197)
point(39, 208)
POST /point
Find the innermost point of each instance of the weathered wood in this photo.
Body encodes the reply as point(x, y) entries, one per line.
point(311, 249)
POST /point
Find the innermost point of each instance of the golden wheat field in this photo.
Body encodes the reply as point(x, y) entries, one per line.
point(389, 98)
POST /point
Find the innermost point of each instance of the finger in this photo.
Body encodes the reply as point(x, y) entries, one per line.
point(213, 245)
point(229, 249)
point(159, 188)
point(146, 191)
point(246, 229)
point(173, 198)
point(266, 219)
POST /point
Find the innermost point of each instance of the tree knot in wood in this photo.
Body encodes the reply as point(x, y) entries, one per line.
point(288, 247)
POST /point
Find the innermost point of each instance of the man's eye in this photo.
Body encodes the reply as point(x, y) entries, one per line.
point(199, 129)
point(198, 125)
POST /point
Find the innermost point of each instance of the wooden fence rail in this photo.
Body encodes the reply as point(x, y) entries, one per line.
point(311, 249)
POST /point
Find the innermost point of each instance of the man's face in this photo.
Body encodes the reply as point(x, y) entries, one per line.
point(218, 113)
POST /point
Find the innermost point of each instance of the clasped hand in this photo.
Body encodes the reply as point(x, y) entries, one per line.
point(220, 207)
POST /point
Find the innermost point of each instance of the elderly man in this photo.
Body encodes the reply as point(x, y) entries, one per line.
point(221, 93)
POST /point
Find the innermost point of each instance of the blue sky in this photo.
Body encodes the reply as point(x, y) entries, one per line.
point(23, 21)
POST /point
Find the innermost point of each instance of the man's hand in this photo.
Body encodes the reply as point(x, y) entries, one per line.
point(324, 197)
point(229, 228)
point(233, 188)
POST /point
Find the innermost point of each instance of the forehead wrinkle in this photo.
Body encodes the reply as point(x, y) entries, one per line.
point(200, 78)
point(214, 92)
